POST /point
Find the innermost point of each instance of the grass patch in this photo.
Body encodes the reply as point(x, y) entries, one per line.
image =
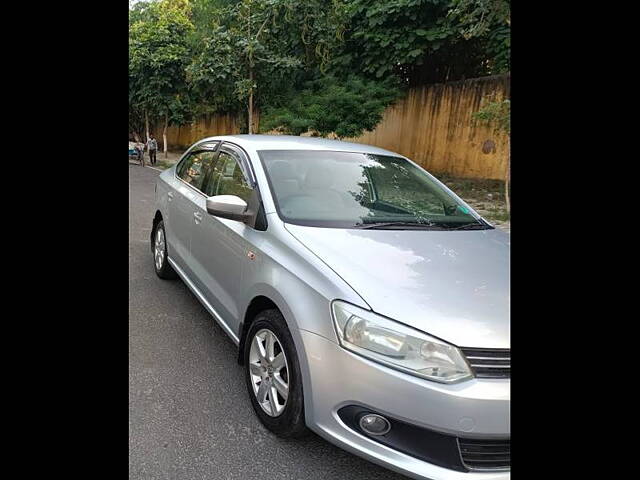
point(497, 215)
point(163, 164)
point(486, 196)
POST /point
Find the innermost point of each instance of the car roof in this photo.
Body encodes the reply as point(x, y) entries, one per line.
point(291, 142)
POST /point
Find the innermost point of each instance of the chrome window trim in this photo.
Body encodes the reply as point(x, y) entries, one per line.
point(245, 162)
point(191, 187)
point(232, 148)
point(246, 159)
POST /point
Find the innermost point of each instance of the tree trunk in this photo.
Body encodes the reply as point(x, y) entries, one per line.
point(251, 104)
point(250, 61)
point(146, 125)
point(506, 184)
point(164, 134)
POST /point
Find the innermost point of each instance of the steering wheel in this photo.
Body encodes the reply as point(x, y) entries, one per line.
point(287, 199)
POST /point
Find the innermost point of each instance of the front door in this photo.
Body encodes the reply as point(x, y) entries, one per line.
point(218, 246)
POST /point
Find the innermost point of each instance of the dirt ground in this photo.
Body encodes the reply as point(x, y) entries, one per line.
point(485, 196)
point(172, 158)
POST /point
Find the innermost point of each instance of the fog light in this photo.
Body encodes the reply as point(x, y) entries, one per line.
point(374, 424)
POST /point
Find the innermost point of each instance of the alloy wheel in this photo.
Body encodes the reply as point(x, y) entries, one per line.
point(269, 372)
point(159, 249)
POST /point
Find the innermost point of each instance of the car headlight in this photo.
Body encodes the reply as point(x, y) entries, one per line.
point(397, 345)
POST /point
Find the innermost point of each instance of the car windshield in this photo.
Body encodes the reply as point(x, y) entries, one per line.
point(360, 190)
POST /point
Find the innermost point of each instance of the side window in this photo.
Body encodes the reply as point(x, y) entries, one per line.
point(227, 178)
point(193, 169)
point(216, 172)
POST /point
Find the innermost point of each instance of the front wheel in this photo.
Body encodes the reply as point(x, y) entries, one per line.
point(160, 258)
point(273, 376)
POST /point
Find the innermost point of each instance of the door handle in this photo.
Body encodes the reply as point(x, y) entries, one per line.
point(169, 196)
point(197, 216)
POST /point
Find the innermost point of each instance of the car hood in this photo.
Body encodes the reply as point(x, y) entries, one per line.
point(451, 284)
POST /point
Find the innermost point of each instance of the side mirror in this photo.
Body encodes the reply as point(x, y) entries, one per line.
point(228, 206)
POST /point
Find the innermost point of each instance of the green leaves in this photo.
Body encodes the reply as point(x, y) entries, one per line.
point(188, 57)
point(158, 52)
point(240, 56)
point(388, 36)
point(496, 114)
point(422, 41)
point(330, 105)
point(489, 20)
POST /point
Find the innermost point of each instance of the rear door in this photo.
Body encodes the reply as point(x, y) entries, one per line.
point(187, 193)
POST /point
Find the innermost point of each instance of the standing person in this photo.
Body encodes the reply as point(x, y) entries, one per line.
point(140, 152)
point(152, 146)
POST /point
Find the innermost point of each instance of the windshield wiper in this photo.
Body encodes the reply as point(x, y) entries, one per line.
point(375, 225)
point(471, 226)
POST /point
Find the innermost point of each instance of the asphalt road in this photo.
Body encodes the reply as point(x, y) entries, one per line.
point(189, 411)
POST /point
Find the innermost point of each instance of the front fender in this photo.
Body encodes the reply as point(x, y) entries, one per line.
point(291, 311)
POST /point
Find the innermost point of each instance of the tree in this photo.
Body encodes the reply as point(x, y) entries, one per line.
point(477, 17)
point(417, 41)
point(328, 105)
point(252, 54)
point(312, 31)
point(136, 122)
point(490, 19)
point(238, 55)
point(408, 39)
point(241, 56)
point(497, 114)
point(158, 53)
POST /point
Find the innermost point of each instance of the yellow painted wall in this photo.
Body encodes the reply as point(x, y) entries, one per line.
point(207, 126)
point(432, 125)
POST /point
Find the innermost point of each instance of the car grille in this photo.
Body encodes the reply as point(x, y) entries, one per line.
point(485, 454)
point(489, 362)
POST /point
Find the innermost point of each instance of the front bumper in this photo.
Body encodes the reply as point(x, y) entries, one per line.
point(338, 378)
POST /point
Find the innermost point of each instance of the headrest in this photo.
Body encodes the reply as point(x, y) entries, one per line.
point(318, 176)
point(281, 170)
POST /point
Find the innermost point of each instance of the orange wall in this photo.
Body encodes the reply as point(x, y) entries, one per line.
point(207, 126)
point(432, 125)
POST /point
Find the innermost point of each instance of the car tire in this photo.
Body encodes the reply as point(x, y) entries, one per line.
point(289, 421)
point(159, 250)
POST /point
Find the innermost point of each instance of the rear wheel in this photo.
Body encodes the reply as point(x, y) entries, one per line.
point(273, 375)
point(160, 259)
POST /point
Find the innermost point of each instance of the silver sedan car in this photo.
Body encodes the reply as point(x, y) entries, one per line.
point(369, 303)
